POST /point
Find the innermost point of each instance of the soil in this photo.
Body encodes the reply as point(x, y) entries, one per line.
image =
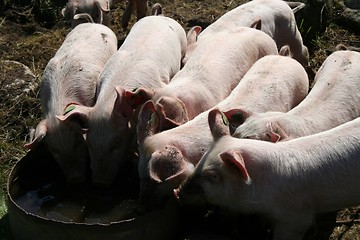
point(29, 38)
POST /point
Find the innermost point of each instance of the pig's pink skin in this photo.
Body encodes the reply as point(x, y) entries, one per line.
point(288, 182)
point(99, 10)
point(214, 69)
point(70, 77)
point(333, 100)
point(277, 20)
point(149, 57)
point(272, 83)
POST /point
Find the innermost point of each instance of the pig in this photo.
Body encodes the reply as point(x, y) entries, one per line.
point(149, 57)
point(288, 183)
point(98, 11)
point(69, 81)
point(210, 74)
point(333, 100)
point(166, 158)
point(274, 17)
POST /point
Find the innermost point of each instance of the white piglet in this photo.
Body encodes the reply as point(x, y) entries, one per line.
point(288, 183)
point(149, 57)
point(166, 158)
point(215, 68)
point(333, 100)
point(274, 17)
point(69, 81)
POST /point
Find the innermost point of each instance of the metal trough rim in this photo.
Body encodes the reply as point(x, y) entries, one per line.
point(158, 224)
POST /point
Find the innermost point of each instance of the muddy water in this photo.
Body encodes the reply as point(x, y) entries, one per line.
point(39, 188)
point(79, 205)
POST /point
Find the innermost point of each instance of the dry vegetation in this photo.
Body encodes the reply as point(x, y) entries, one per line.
point(28, 37)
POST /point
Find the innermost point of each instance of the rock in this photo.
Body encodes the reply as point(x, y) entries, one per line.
point(348, 14)
point(21, 82)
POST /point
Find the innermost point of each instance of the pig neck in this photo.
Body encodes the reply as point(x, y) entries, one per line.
point(316, 172)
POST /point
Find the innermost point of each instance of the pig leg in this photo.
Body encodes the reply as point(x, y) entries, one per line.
point(141, 8)
point(127, 13)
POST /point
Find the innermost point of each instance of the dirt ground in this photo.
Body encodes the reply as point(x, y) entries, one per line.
point(27, 41)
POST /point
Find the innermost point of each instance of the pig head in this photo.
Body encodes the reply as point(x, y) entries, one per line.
point(157, 173)
point(217, 170)
point(114, 128)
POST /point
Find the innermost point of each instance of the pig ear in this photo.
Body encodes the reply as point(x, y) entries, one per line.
point(235, 161)
point(148, 122)
point(103, 5)
point(218, 123)
point(122, 111)
point(192, 34)
point(256, 24)
point(285, 51)
point(275, 132)
point(138, 97)
point(236, 117)
point(172, 112)
point(77, 116)
point(37, 135)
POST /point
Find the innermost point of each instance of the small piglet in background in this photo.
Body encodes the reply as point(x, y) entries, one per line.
point(333, 100)
point(149, 57)
point(273, 83)
point(98, 11)
point(274, 17)
point(69, 81)
point(216, 67)
point(288, 183)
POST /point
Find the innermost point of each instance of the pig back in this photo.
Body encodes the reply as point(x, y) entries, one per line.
point(336, 88)
point(164, 37)
point(71, 75)
point(216, 67)
point(273, 83)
